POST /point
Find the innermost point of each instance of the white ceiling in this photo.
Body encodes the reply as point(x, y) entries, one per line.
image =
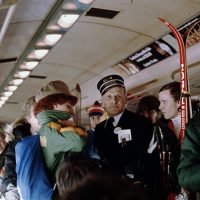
point(91, 46)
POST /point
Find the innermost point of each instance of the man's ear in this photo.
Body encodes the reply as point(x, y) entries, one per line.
point(153, 112)
point(179, 105)
point(102, 102)
point(28, 120)
point(55, 106)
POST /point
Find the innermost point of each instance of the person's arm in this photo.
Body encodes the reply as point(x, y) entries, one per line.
point(11, 193)
point(9, 180)
point(189, 167)
point(97, 141)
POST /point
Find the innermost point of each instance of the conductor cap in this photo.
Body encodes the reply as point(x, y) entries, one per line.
point(109, 82)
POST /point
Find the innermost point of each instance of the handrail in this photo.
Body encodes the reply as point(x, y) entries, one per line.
point(10, 12)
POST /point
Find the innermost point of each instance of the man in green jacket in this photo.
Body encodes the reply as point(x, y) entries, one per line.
point(189, 167)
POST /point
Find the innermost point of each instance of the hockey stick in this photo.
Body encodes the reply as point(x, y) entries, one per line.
point(184, 85)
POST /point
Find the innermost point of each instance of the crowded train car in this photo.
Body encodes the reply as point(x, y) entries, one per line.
point(89, 50)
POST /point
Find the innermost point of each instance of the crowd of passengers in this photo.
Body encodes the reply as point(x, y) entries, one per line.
point(142, 155)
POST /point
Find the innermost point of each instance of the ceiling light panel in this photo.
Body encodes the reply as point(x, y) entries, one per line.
point(86, 1)
point(52, 39)
point(11, 88)
point(22, 74)
point(3, 98)
point(16, 82)
point(38, 54)
point(7, 93)
point(66, 20)
point(61, 17)
point(29, 65)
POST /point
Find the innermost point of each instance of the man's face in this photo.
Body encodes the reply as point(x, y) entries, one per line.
point(114, 101)
point(168, 106)
point(94, 120)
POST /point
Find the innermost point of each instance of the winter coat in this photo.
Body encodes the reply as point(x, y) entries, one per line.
point(9, 182)
point(56, 139)
point(10, 176)
point(168, 147)
point(89, 148)
point(131, 158)
point(2, 163)
point(32, 178)
point(189, 167)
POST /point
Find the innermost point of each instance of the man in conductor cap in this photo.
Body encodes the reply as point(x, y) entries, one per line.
point(122, 140)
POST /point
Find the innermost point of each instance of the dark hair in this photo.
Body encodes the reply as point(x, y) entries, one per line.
point(195, 106)
point(48, 102)
point(76, 167)
point(103, 187)
point(174, 88)
point(21, 128)
point(147, 104)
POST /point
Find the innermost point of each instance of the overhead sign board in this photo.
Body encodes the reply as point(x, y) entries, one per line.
point(165, 46)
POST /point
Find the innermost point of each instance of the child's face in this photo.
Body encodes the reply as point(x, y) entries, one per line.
point(94, 120)
point(67, 107)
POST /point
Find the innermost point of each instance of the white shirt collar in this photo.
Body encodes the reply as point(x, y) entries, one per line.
point(117, 118)
point(177, 123)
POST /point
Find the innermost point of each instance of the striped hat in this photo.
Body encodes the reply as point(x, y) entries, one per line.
point(95, 109)
point(109, 82)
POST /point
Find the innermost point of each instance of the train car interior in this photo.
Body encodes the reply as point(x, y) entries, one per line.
point(80, 41)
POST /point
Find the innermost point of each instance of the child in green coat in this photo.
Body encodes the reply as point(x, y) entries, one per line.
point(58, 134)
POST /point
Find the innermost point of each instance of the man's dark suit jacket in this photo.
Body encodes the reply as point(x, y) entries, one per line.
point(128, 159)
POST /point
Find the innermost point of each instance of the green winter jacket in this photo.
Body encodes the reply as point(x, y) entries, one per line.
point(56, 139)
point(189, 167)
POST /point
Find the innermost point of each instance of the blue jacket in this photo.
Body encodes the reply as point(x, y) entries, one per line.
point(32, 179)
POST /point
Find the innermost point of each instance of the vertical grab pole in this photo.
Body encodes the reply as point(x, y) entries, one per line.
point(78, 106)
